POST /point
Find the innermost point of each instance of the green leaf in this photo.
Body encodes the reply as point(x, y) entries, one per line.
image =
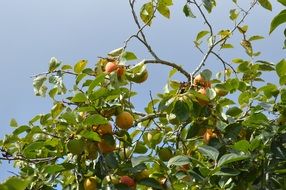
point(57, 109)
point(201, 34)
point(21, 129)
point(227, 172)
point(188, 12)
point(116, 52)
point(278, 20)
point(179, 161)
point(66, 67)
point(281, 68)
point(256, 37)
point(128, 56)
point(233, 14)
point(208, 4)
point(269, 90)
point(70, 117)
point(53, 169)
point(15, 183)
point(99, 79)
point(256, 120)
point(79, 97)
point(166, 2)
point(95, 119)
point(13, 123)
point(229, 158)
point(283, 2)
point(39, 87)
point(79, 66)
point(150, 182)
point(207, 74)
point(227, 46)
point(242, 145)
point(140, 148)
point(181, 110)
point(265, 4)
point(54, 64)
point(53, 92)
point(164, 10)
point(90, 135)
point(244, 98)
point(234, 111)
point(209, 152)
point(140, 159)
point(147, 13)
point(33, 147)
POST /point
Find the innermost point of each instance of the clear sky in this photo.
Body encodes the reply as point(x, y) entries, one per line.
point(32, 31)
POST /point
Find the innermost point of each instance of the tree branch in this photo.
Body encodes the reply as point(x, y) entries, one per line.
point(174, 65)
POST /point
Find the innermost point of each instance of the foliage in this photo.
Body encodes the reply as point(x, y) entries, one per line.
point(209, 132)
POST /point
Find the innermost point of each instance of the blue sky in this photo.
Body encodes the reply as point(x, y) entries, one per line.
point(33, 31)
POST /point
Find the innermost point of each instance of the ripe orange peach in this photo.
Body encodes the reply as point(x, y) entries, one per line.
point(200, 81)
point(208, 135)
point(111, 66)
point(124, 120)
point(107, 144)
point(102, 129)
point(120, 70)
point(128, 181)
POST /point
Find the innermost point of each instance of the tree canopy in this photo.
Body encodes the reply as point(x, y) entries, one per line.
point(224, 130)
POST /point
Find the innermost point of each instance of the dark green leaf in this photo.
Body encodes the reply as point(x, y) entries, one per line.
point(229, 158)
point(233, 111)
point(278, 20)
point(150, 182)
point(140, 148)
point(265, 4)
point(209, 152)
point(181, 110)
point(179, 161)
point(188, 12)
point(140, 159)
point(283, 2)
point(208, 5)
point(21, 129)
point(242, 145)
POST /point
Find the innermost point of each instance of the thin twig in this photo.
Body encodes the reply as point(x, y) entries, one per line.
point(140, 29)
point(202, 63)
point(47, 73)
